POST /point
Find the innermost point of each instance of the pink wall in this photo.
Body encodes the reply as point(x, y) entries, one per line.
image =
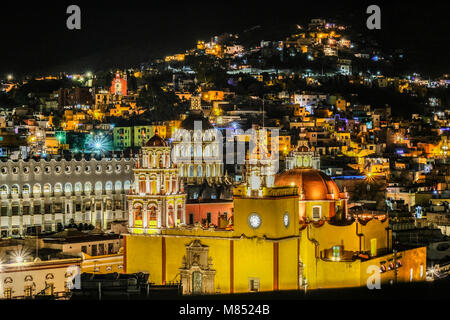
point(200, 210)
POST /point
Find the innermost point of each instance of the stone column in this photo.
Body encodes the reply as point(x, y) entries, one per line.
point(145, 218)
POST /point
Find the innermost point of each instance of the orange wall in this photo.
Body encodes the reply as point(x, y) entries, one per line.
point(200, 211)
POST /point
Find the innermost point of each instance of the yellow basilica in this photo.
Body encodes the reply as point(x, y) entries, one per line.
point(288, 231)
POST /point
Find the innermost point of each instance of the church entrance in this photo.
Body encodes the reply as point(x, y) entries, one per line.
point(196, 272)
point(197, 282)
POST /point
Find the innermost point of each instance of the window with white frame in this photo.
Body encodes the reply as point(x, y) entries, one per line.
point(253, 284)
point(316, 212)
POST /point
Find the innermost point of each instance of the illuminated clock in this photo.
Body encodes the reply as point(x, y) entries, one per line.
point(286, 219)
point(254, 220)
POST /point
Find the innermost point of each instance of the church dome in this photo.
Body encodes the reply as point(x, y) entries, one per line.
point(156, 141)
point(314, 184)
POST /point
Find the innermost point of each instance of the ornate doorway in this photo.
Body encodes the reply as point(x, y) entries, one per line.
point(197, 282)
point(197, 274)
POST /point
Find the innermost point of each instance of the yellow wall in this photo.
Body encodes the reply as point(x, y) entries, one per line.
point(271, 212)
point(253, 258)
point(253, 252)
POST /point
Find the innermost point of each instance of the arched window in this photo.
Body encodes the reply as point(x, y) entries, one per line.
point(58, 187)
point(78, 187)
point(174, 184)
point(199, 171)
point(153, 189)
point(68, 188)
point(171, 217)
point(37, 189)
point(207, 152)
point(15, 189)
point(118, 186)
point(4, 189)
point(138, 215)
point(142, 184)
point(47, 188)
point(198, 151)
point(152, 213)
point(108, 186)
point(179, 213)
point(88, 187)
point(191, 171)
point(98, 186)
point(26, 189)
point(126, 185)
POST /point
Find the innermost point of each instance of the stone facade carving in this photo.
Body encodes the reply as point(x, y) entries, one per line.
point(197, 274)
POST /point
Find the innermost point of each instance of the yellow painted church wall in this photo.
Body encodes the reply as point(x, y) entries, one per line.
point(143, 254)
point(253, 259)
point(288, 264)
point(374, 229)
point(271, 212)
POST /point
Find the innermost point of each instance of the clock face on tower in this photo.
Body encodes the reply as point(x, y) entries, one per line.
point(254, 220)
point(286, 220)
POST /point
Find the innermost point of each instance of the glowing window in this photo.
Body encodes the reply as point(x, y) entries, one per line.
point(336, 251)
point(316, 213)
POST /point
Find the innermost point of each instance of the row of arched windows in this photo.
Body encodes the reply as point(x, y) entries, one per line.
point(187, 151)
point(78, 187)
point(198, 171)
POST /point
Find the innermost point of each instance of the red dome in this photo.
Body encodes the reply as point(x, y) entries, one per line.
point(315, 184)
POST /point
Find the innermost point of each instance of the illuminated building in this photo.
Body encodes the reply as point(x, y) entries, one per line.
point(119, 85)
point(136, 136)
point(74, 96)
point(196, 151)
point(125, 111)
point(58, 262)
point(46, 195)
point(176, 57)
point(158, 201)
point(196, 102)
point(213, 95)
point(293, 234)
point(105, 98)
point(302, 157)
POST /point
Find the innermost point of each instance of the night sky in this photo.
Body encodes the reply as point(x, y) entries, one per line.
point(35, 38)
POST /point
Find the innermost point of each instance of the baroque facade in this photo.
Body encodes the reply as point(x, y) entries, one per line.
point(197, 151)
point(157, 200)
point(48, 194)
